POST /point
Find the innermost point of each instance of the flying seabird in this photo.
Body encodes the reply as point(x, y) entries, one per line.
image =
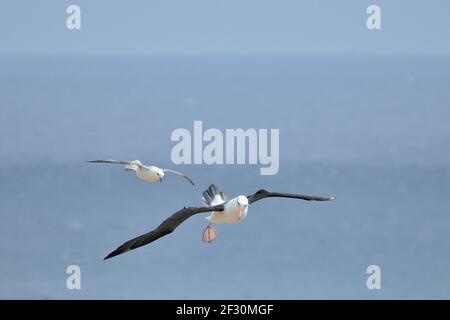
point(146, 173)
point(223, 211)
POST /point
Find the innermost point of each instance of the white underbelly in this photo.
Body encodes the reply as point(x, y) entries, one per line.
point(147, 175)
point(227, 216)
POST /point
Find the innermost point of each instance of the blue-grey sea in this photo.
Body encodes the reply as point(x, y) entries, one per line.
point(372, 130)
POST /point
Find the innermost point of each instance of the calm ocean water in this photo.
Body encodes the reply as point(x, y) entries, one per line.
point(374, 131)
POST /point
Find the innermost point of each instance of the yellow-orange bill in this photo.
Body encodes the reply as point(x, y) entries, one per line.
point(241, 213)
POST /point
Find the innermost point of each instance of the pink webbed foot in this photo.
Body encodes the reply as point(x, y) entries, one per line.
point(210, 234)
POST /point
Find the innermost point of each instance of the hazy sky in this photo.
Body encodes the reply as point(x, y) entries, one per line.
point(372, 130)
point(224, 26)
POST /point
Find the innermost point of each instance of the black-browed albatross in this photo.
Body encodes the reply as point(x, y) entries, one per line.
point(146, 173)
point(223, 211)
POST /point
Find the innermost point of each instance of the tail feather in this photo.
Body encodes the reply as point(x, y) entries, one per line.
point(209, 196)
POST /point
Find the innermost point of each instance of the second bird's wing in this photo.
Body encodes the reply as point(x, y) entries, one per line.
point(180, 174)
point(110, 161)
point(115, 162)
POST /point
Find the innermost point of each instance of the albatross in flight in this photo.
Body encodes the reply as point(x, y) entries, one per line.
point(146, 173)
point(223, 211)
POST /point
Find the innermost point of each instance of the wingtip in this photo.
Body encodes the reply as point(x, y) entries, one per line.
point(117, 252)
point(112, 254)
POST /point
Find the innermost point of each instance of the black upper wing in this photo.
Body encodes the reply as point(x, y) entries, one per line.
point(261, 194)
point(166, 227)
point(109, 161)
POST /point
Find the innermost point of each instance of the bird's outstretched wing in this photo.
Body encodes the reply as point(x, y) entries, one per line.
point(261, 194)
point(114, 162)
point(180, 174)
point(109, 161)
point(166, 227)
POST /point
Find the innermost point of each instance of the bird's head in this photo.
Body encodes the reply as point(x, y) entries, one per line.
point(242, 201)
point(157, 171)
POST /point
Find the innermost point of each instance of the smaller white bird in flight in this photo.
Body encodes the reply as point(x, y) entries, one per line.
point(146, 173)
